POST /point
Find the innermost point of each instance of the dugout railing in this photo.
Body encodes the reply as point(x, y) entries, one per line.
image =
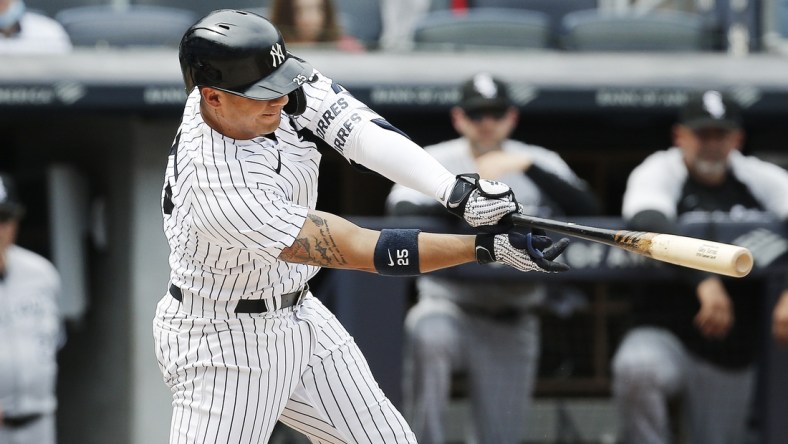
point(588, 315)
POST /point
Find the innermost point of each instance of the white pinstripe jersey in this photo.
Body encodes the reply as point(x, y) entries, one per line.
point(231, 206)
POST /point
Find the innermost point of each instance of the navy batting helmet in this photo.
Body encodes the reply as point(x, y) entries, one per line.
point(243, 54)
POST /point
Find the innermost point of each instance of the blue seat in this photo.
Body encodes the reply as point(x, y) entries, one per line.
point(203, 7)
point(594, 30)
point(135, 25)
point(51, 7)
point(361, 19)
point(781, 10)
point(555, 10)
point(482, 28)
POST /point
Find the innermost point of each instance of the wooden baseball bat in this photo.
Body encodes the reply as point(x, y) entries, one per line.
point(700, 254)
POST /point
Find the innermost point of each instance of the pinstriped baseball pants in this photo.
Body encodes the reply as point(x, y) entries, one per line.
point(232, 376)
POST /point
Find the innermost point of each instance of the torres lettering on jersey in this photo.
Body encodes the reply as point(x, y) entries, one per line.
point(345, 130)
point(329, 115)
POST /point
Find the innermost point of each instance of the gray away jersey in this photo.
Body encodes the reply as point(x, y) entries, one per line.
point(30, 332)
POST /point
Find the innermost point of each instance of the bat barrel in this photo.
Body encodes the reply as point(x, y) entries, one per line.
point(715, 257)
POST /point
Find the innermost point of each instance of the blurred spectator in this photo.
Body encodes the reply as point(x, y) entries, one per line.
point(487, 330)
point(312, 23)
point(696, 340)
point(399, 18)
point(679, 5)
point(25, 32)
point(30, 332)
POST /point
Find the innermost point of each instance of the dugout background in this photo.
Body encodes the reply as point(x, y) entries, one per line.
point(107, 119)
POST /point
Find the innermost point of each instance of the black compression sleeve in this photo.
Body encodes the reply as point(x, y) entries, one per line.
point(405, 208)
point(573, 200)
point(652, 220)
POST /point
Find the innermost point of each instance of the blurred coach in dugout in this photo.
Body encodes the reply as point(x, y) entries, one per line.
point(29, 333)
point(696, 338)
point(485, 329)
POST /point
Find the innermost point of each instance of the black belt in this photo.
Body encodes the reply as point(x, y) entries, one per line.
point(20, 421)
point(252, 305)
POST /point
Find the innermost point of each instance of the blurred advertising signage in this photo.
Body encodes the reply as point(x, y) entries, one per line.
point(746, 96)
point(164, 95)
point(63, 93)
point(437, 95)
point(413, 95)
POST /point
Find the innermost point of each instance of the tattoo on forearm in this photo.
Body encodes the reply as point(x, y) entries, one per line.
point(319, 250)
point(317, 220)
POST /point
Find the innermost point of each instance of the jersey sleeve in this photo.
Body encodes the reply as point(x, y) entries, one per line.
point(363, 136)
point(333, 114)
point(403, 195)
point(655, 184)
point(767, 182)
point(552, 162)
point(249, 216)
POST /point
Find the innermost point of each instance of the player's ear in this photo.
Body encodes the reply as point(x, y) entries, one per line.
point(457, 117)
point(739, 138)
point(512, 116)
point(210, 96)
point(678, 134)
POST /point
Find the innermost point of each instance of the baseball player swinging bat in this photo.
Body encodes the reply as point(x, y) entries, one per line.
point(699, 254)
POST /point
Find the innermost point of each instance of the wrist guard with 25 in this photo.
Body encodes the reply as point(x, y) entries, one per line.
point(397, 252)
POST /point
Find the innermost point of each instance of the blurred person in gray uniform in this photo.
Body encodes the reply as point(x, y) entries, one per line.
point(26, 32)
point(487, 329)
point(696, 337)
point(30, 332)
point(399, 18)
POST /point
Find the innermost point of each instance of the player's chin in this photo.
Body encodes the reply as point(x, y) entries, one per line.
point(270, 122)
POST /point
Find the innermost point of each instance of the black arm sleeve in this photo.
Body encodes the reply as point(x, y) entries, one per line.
point(652, 220)
point(572, 200)
point(411, 209)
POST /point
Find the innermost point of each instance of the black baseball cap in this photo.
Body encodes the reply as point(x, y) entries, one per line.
point(10, 206)
point(710, 109)
point(484, 92)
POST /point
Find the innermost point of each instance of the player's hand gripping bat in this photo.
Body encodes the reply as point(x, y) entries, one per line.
point(700, 254)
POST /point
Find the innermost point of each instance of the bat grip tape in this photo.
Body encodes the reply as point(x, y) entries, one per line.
point(397, 252)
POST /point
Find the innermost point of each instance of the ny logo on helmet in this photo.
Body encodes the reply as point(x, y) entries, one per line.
point(277, 56)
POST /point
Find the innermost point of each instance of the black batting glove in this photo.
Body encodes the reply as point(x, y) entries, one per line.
point(481, 202)
point(532, 251)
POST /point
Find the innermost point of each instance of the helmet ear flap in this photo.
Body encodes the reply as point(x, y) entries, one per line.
point(296, 104)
